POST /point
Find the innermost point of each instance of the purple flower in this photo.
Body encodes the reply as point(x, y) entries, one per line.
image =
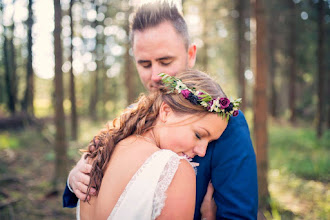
point(229, 108)
point(224, 103)
point(185, 93)
point(193, 99)
point(210, 104)
point(235, 113)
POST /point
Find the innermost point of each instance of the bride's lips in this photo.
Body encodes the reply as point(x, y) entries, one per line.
point(186, 156)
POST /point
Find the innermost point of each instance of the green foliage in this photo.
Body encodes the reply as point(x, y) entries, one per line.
point(298, 151)
point(8, 141)
point(50, 156)
point(277, 213)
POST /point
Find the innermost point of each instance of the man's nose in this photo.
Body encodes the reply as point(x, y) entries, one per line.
point(200, 150)
point(154, 74)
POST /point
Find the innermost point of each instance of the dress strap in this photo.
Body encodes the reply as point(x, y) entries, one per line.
point(163, 184)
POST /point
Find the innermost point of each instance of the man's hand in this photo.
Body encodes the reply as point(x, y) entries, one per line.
point(209, 208)
point(79, 179)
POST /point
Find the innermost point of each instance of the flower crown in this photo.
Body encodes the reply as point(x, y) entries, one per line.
point(223, 106)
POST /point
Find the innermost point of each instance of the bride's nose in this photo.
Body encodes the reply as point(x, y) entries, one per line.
point(200, 150)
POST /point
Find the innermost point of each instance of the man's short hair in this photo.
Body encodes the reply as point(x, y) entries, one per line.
point(152, 14)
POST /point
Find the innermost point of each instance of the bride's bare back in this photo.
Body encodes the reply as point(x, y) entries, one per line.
point(129, 155)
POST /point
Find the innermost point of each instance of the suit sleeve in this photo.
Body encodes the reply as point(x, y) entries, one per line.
point(69, 198)
point(234, 172)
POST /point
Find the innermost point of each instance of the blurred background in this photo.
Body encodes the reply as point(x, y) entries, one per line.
point(66, 68)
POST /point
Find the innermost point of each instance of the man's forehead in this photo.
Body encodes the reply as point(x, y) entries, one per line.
point(157, 55)
point(162, 32)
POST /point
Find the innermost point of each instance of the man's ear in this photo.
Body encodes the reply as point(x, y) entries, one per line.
point(192, 50)
point(164, 112)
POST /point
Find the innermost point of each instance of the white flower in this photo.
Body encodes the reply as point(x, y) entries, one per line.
point(204, 104)
point(215, 105)
point(180, 86)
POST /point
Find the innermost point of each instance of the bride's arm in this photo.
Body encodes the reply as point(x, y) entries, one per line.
point(180, 201)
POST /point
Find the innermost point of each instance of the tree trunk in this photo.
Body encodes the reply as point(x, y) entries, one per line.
point(104, 80)
point(10, 67)
point(292, 63)
point(10, 100)
point(129, 67)
point(105, 83)
point(321, 68)
point(2, 80)
point(74, 116)
point(242, 49)
point(60, 141)
point(129, 77)
point(328, 100)
point(204, 49)
point(94, 95)
point(27, 105)
point(272, 63)
point(12, 61)
point(95, 79)
point(260, 103)
point(8, 75)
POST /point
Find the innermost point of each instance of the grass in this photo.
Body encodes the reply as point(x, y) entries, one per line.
point(26, 177)
point(299, 173)
point(8, 142)
point(298, 151)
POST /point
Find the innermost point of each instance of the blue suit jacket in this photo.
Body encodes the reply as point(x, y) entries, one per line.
point(230, 164)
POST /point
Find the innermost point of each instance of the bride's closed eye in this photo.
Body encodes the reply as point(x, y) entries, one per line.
point(197, 136)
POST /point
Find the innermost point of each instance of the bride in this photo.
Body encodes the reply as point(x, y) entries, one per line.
point(141, 161)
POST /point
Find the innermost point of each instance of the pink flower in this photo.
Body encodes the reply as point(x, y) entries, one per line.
point(210, 104)
point(224, 103)
point(235, 113)
point(185, 93)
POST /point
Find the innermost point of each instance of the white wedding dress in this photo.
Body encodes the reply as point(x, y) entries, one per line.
point(145, 194)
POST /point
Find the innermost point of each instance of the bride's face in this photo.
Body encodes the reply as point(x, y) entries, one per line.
point(188, 135)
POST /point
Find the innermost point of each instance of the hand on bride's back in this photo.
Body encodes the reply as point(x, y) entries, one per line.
point(209, 208)
point(79, 178)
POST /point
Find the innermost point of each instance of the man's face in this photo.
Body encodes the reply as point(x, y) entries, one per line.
point(161, 49)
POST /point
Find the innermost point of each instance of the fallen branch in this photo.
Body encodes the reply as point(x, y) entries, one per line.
point(9, 179)
point(4, 194)
point(8, 203)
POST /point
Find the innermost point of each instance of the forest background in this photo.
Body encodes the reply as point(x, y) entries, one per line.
point(66, 68)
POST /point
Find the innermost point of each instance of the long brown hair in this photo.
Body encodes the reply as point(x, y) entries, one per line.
point(141, 118)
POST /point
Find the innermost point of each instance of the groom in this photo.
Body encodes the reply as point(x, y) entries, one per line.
point(160, 43)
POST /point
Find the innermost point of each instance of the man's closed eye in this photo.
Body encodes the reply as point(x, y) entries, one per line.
point(166, 63)
point(145, 64)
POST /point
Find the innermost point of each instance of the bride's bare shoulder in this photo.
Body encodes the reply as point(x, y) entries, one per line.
point(181, 193)
point(133, 150)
